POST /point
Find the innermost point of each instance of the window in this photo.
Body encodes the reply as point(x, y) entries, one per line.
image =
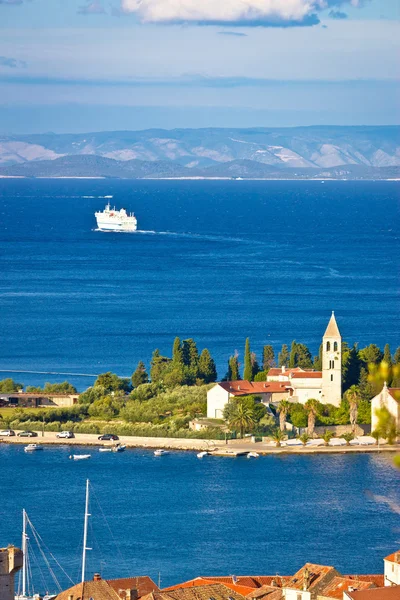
point(328, 346)
point(331, 377)
point(335, 347)
point(299, 596)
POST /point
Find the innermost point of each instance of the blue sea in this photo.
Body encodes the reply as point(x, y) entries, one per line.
point(182, 517)
point(214, 260)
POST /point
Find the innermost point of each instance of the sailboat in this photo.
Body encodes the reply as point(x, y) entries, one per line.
point(25, 586)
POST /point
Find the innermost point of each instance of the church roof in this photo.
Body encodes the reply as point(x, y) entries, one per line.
point(332, 330)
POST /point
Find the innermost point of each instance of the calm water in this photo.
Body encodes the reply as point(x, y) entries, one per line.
point(217, 261)
point(184, 517)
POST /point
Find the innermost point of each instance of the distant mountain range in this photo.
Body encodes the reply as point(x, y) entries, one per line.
point(301, 152)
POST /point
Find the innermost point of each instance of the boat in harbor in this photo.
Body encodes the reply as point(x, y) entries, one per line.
point(160, 452)
point(33, 448)
point(119, 448)
point(202, 454)
point(253, 455)
point(111, 219)
point(80, 456)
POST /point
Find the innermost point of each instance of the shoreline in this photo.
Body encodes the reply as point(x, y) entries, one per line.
point(197, 178)
point(214, 447)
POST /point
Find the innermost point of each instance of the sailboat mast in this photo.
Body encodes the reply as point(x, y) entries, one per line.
point(24, 552)
point(85, 531)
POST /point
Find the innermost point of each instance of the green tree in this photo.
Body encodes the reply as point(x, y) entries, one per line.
point(110, 382)
point(351, 366)
point(353, 397)
point(293, 355)
point(239, 414)
point(283, 409)
point(298, 415)
point(139, 376)
point(365, 387)
point(190, 353)
point(268, 358)
point(159, 366)
point(303, 356)
point(396, 356)
point(278, 436)
point(107, 407)
point(371, 354)
point(255, 367)
point(177, 352)
point(8, 386)
point(207, 368)
point(327, 436)
point(386, 427)
point(283, 356)
point(317, 364)
point(387, 357)
point(312, 408)
point(304, 437)
point(261, 376)
point(348, 437)
point(233, 369)
point(248, 367)
point(53, 388)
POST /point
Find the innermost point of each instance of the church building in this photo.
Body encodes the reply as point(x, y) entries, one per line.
point(283, 383)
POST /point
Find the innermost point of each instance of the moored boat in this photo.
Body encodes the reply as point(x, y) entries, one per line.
point(33, 448)
point(253, 455)
point(80, 456)
point(119, 448)
point(202, 454)
point(160, 452)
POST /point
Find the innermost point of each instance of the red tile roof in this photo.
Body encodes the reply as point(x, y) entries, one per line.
point(395, 557)
point(383, 593)
point(338, 585)
point(236, 587)
point(307, 375)
point(317, 573)
point(143, 585)
point(377, 579)
point(245, 388)
point(275, 372)
point(253, 581)
point(217, 591)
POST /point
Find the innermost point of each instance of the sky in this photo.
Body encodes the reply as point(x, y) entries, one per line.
point(93, 65)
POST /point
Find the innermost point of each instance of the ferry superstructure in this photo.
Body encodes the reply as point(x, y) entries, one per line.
point(111, 219)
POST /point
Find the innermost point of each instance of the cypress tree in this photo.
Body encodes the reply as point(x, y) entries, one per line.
point(190, 353)
point(233, 368)
point(248, 367)
point(140, 376)
point(207, 369)
point(268, 359)
point(396, 357)
point(283, 356)
point(293, 355)
point(387, 357)
point(303, 357)
point(177, 354)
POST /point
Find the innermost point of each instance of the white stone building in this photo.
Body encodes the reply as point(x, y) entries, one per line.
point(219, 395)
point(389, 398)
point(392, 569)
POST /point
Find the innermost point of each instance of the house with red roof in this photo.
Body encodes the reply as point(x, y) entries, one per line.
point(391, 569)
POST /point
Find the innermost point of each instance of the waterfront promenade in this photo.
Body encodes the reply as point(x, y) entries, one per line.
point(217, 447)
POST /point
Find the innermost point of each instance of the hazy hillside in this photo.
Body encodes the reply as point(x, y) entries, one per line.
point(294, 148)
point(97, 166)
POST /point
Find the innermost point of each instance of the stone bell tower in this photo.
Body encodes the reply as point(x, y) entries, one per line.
point(10, 564)
point(332, 364)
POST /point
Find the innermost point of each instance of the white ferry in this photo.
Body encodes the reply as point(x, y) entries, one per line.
point(111, 219)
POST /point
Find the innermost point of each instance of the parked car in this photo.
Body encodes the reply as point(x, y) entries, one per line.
point(108, 437)
point(66, 434)
point(27, 433)
point(7, 432)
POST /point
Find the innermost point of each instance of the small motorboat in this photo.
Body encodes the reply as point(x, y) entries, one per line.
point(33, 448)
point(253, 455)
point(80, 456)
point(202, 454)
point(160, 452)
point(119, 448)
point(105, 449)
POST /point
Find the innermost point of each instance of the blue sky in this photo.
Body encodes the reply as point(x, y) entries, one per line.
point(80, 65)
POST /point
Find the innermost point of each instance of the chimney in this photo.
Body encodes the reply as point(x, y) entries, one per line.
point(283, 368)
point(71, 597)
point(238, 388)
point(306, 579)
point(351, 588)
point(97, 577)
point(397, 556)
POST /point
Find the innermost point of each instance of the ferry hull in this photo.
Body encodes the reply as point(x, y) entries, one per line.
point(103, 226)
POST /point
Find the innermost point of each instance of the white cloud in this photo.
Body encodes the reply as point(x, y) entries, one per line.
point(243, 12)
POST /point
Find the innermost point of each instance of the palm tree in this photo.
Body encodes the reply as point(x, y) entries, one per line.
point(283, 409)
point(278, 436)
point(353, 396)
point(311, 407)
point(327, 436)
point(304, 438)
point(348, 437)
point(376, 435)
point(241, 416)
